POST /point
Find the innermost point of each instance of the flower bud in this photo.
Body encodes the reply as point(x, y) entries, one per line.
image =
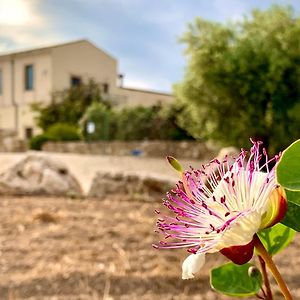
point(253, 272)
point(175, 164)
point(276, 210)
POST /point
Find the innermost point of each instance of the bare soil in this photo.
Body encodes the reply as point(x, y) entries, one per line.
point(59, 248)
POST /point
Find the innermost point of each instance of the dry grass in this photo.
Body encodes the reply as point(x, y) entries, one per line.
point(66, 249)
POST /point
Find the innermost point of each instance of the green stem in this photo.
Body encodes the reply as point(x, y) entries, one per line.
point(272, 267)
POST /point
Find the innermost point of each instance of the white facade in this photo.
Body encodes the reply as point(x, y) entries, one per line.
point(52, 69)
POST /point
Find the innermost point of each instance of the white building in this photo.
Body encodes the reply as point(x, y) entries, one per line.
point(32, 75)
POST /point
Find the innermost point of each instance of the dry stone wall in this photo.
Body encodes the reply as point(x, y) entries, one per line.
point(185, 149)
point(134, 186)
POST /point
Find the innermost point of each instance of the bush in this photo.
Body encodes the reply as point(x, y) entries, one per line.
point(168, 120)
point(99, 117)
point(37, 142)
point(62, 132)
point(148, 123)
point(68, 106)
point(135, 123)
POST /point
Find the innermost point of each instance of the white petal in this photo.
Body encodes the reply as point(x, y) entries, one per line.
point(241, 231)
point(246, 195)
point(192, 264)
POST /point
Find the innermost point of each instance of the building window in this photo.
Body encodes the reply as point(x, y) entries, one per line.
point(76, 81)
point(28, 133)
point(105, 88)
point(29, 77)
point(1, 84)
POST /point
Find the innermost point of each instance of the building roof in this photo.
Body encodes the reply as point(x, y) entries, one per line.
point(39, 49)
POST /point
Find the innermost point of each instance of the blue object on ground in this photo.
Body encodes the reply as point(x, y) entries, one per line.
point(136, 152)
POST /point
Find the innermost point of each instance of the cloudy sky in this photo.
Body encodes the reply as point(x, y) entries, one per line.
point(142, 34)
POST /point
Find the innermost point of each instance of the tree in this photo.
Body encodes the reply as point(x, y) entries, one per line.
point(243, 79)
point(68, 106)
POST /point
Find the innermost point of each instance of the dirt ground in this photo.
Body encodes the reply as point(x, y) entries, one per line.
point(58, 248)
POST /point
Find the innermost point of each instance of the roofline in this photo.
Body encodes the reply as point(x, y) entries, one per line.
point(147, 91)
point(27, 51)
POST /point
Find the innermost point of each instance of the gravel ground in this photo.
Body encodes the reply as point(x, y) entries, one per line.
point(64, 249)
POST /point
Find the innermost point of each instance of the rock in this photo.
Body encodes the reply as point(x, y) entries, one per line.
point(39, 175)
point(132, 185)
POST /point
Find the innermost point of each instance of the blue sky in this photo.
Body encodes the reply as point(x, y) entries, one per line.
point(141, 34)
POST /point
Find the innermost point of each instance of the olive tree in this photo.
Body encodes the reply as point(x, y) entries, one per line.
point(243, 79)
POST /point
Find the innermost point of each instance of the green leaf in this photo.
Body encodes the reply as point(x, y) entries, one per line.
point(293, 196)
point(291, 218)
point(288, 169)
point(235, 280)
point(276, 238)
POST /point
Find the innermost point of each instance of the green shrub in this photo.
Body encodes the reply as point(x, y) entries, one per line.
point(37, 142)
point(148, 123)
point(98, 116)
point(68, 106)
point(62, 132)
point(135, 123)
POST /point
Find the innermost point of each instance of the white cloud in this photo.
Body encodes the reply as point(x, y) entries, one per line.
point(18, 12)
point(22, 27)
point(16, 38)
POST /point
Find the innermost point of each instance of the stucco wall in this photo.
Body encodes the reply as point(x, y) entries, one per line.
point(84, 60)
point(135, 97)
point(13, 76)
point(7, 117)
point(42, 74)
point(5, 96)
point(26, 117)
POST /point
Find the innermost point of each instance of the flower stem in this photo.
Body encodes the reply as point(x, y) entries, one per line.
point(268, 295)
point(272, 267)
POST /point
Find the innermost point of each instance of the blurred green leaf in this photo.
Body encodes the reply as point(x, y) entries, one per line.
point(234, 280)
point(291, 218)
point(288, 169)
point(276, 238)
point(293, 196)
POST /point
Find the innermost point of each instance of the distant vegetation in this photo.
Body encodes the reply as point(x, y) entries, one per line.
point(81, 113)
point(68, 106)
point(243, 80)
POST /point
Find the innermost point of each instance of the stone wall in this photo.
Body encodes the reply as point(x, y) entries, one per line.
point(190, 150)
point(9, 142)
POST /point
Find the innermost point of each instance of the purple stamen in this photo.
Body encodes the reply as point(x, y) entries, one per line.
point(222, 192)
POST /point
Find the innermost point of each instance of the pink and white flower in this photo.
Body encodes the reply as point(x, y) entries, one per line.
point(221, 206)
